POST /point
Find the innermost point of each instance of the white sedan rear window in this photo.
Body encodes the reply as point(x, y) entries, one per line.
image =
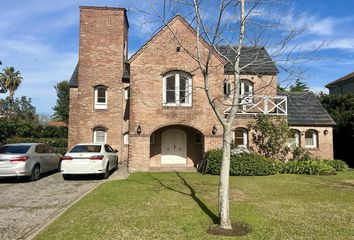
point(86, 148)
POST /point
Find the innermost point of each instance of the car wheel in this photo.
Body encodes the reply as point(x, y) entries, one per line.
point(106, 174)
point(35, 173)
point(66, 176)
point(59, 166)
point(116, 167)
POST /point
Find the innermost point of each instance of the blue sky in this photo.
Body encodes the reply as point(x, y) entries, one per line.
point(40, 38)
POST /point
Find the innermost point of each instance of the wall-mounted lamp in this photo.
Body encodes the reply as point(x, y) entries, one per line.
point(214, 130)
point(325, 132)
point(138, 129)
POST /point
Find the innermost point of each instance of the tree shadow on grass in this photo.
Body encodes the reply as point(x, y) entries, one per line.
point(192, 194)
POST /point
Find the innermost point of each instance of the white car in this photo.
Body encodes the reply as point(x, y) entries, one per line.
point(89, 158)
point(28, 159)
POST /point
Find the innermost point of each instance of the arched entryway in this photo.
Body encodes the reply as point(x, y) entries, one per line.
point(176, 146)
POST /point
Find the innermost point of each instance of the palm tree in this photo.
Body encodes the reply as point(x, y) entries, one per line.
point(11, 79)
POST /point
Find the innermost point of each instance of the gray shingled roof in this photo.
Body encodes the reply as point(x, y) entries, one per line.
point(341, 80)
point(73, 82)
point(304, 109)
point(257, 57)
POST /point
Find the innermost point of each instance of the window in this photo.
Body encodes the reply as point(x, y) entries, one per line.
point(294, 138)
point(177, 89)
point(311, 139)
point(99, 135)
point(246, 88)
point(227, 88)
point(86, 148)
point(108, 148)
point(126, 138)
point(101, 97)
point(240, 137)
point(126, 93)
point(245, 91)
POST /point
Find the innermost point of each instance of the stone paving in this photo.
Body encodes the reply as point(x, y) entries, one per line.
point(26, 206)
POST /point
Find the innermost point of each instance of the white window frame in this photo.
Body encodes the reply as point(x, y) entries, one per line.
point(177, 85)
point(297, 138)
point(99, 105)
point(95, 135)
point(245, 136)
point(314, 137)
point(126, 93)
point(126, 138)
point(243, 101)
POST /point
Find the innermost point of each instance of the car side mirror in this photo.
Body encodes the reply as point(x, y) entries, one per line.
point(115, 150)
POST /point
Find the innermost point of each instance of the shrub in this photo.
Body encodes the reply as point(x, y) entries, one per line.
point(338, 165)
point(300, 154)
point(212, 161)
point(241, 165)
point(311, 167)
point(251, 165)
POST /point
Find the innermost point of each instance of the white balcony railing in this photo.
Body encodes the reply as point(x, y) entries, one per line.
point(269, 105)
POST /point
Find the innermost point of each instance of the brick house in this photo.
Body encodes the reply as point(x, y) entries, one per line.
point(152, 107)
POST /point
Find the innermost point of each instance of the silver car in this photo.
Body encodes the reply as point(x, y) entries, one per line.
point(28, 159)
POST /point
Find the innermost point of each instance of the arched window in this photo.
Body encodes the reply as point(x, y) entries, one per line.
point(101, 97)
point(240, 137)
point(294, 138)
point(177, 89)
point(126, 138)
point(245, 92)
point(246, 88)
point(99, 135)
point(311, 138)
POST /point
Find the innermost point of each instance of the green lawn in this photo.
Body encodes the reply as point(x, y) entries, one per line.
point(184, 205)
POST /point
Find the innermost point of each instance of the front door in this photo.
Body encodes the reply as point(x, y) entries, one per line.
point(174, 147)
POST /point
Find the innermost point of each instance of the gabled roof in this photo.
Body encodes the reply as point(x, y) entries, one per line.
point(304, 109)
point(73, 82)
point(165, 28)
point(340, 81)
point(255, 58)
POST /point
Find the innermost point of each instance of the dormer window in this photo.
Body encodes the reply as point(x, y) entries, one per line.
point(177, 89)
point(100, 97)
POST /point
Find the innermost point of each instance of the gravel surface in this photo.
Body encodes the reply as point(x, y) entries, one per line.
point(26, 206)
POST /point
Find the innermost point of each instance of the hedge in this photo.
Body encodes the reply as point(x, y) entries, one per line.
point(240, 165)
point(252, 164)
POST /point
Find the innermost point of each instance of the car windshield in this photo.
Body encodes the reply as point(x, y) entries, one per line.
point(19, 149)
point(86, 148)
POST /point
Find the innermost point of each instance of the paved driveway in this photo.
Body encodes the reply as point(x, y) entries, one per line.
point(25, 206)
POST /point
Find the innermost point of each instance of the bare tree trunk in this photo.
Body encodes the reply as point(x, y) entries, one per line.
point(224, 205)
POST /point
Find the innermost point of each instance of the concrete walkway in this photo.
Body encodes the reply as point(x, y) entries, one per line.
point(27, 207)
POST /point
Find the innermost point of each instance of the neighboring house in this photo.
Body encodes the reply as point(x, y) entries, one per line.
point(152, 107)
point(2, 88)
point(342, 85)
